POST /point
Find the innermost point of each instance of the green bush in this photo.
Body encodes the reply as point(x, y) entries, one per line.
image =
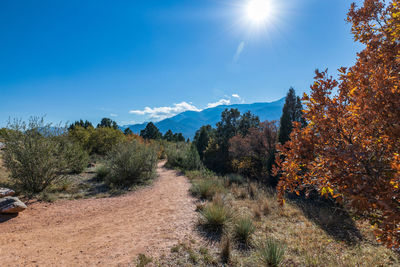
point(104, 139)
point(102, 172)
point(82, 136)
point(77, 158)
point(183, 156)
point(206, 188)
point(215, 216)
point(243, 229)
point(235, 178)
point(131, 163)
point(96, 141)
point(271, 253)
point(38, 154)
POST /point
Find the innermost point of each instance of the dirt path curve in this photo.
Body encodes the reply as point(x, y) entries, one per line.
point(101, 232)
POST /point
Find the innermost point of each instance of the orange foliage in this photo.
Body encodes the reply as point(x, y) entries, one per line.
point(131, 137)
point(350, 149)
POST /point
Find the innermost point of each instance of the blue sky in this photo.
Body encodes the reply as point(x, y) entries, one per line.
point(136, 61)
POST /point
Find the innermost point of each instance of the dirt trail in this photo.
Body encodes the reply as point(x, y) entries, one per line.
point(101, 232)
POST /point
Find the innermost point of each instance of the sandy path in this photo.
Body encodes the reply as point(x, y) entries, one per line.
point(101, 232)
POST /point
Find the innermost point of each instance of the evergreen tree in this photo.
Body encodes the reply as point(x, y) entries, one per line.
point(169, 136)
point(248, 121)
point(128, 131)
point(216, 156)
point(151, 132)
point(292, 111)
point(85, 124)
point(202, 138)
point(107, 123)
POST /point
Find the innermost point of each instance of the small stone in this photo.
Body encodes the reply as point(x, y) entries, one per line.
point(11, 205)
point(5, 192)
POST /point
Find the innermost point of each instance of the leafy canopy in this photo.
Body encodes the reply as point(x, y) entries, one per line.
point(350, 149)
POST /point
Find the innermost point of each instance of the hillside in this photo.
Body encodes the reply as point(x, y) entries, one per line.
point(189, 122)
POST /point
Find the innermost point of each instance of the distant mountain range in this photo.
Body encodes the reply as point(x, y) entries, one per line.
point(189, 122)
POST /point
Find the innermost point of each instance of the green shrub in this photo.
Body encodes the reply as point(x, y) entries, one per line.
point(235, 178)
point(82, 136)
point(131, 163)
point(38, 154)
point(77, 158)
point(206, 188)
point(243, 229)
point(200, 174)
point(271, 253)
point(215, 216)
point(103, 140)
point(183, 156)
point(102, 172)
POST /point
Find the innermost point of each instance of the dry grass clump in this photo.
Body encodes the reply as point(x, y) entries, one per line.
point(260, 208)
point(226, 249)
point(215, 216)
point(188, 254)
point(206, 188)
point(239, 192)
point(271, 253)
point(253, 190)
point(244, 229)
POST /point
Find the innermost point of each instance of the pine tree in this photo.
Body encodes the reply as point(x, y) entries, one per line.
point(292, 111)
point(107, 123)
point(151, 132)
point(128, 131)
point(202, 138)
point(169, 136)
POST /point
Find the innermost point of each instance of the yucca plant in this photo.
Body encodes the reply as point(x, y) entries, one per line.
point(215, 216)
point(271, 253)
point(243, 229)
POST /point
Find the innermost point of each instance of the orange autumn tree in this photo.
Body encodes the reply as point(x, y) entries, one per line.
point(350, 148)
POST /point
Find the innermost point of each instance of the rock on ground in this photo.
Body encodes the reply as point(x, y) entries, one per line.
point(11, 205)
point(5, 192)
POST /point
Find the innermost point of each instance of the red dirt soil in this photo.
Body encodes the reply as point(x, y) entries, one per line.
point(102, 232)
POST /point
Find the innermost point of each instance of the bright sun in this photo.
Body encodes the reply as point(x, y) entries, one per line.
point(258, 11)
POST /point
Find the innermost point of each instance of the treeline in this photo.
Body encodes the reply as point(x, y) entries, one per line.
point(241, 144)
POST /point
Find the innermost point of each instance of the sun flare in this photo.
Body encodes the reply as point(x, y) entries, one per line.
point(259, 11)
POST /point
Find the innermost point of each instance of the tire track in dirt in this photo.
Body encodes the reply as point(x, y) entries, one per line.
point(102, 232)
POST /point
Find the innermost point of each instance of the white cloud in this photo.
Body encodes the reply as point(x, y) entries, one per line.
point(239, 51)
point(236, 96)
point(221, 102)
point(160, 113)
point(113, 115)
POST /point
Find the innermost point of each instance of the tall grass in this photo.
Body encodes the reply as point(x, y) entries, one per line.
point(271, 253)
point(215, 216)
point(206, 188)
point(244, 229)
